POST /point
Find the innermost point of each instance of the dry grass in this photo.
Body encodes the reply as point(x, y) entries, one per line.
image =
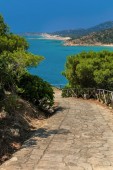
point(17, 126)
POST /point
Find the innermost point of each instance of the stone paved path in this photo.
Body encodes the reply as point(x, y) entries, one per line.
point(78, 137)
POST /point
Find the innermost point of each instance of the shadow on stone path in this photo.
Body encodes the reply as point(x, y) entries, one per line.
point(78, 137)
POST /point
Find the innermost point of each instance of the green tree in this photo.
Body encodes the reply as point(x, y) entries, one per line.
point(14, 57)
point(36, 90)
point(9, 41)
point(12, 42)
point(14, 63)
point(90, 70)
point(3, 26)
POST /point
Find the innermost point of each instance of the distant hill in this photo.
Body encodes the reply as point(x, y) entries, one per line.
point(77, 33)
point(100, 27)
point(95, 38)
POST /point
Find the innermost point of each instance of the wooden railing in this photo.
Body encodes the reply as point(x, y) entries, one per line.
point(104, 96)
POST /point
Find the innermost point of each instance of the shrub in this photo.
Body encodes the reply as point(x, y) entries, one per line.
point(90, 70)
point(36, 90)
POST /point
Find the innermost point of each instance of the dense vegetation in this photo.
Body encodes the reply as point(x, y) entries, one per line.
point(36, 90)
point(102, 37)
point(90, 70)
point(14, 61)
point(22, 95)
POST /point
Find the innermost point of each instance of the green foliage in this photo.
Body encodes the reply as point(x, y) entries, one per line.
point(37, 91)
point(14, 63)
point(85, 33)
point(10, 103)
point(3, 26)
point(14, 59)
point(12, 42)
point(8, 41)
point(90, 70)
point(14, 78)
point(103, 37)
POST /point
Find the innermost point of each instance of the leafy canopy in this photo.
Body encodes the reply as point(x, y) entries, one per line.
point(3, 26)
point(14, 65)
point(14, 57)
point(14, 77)
point(36, 90)
point(90, 70)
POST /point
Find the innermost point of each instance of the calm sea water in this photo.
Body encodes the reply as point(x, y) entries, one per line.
point(55, 55)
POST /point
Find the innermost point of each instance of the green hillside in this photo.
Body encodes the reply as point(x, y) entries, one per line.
point(102, 37)
point(77, 33)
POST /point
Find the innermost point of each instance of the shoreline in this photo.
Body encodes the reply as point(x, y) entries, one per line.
point(54, 37)
point(87, 45)
point(66, 43)
point(47, 36)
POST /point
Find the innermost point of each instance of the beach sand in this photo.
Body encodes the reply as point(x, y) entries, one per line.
point(54, 37)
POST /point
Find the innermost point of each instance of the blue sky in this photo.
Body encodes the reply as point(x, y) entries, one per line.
point(52, 15)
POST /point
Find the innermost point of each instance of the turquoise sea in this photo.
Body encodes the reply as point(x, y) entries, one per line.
point(55, 55)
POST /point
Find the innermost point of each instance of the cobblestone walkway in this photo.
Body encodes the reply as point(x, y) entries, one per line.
point(78, 137)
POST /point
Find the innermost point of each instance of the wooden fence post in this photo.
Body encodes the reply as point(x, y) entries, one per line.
point(112, 100)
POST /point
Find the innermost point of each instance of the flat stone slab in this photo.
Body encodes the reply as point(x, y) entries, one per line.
point(78, 137)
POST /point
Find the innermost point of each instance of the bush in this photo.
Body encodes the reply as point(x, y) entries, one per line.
point(90, 70)
point(37, 91)
point(14, 58)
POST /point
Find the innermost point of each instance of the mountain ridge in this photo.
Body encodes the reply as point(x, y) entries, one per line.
point(103, 37)
point(77, 33)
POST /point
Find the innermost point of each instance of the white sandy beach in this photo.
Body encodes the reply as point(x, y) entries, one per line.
point(54, 37)
point(69, 43)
